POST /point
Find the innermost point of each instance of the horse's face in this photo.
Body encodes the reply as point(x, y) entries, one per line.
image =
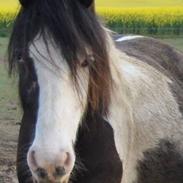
point(60, 111)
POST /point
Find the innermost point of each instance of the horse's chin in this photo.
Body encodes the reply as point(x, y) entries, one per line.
point(63, 180)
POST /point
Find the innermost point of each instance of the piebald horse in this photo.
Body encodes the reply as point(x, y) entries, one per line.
point(97, 107)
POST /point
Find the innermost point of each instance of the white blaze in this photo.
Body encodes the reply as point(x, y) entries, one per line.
point(60, 108)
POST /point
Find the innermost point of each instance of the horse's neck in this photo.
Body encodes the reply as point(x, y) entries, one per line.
point(120, 112)
point(121, 69)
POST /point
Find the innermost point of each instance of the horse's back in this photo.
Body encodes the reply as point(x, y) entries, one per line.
point(154, 52)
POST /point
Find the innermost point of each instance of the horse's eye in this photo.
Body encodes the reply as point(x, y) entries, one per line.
point(88, 61)
point(84, 63)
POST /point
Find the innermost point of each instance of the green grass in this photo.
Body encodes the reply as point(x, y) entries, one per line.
point(8, 96)
point(176, 42)
point(8, 91)
point(3, 46)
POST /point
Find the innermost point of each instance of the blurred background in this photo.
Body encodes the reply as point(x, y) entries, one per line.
point(162, 19)
point(157, 18)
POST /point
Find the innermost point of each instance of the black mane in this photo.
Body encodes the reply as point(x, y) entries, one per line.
point(73, 27)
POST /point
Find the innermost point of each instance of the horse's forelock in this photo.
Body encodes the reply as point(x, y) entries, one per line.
point(100, 84)
point(86, 3)
point(27, 3)
point(74, 29)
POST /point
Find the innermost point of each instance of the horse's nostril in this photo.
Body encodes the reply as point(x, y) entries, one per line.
point(59, 172)
point(41, 173)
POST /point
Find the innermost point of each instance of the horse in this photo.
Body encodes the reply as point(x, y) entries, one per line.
point(97, 106)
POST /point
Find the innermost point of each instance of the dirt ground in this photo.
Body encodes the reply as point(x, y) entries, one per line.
point(8, 143)
point(9, 127)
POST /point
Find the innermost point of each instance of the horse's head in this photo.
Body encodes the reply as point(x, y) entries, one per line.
point(67, 47)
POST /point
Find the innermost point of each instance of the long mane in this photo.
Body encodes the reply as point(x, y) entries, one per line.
point(74, 28)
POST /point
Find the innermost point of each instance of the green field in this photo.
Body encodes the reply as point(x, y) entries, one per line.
point(3, 46)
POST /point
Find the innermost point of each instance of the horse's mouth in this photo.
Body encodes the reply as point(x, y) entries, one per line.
point(63, 180)
point(47, 181)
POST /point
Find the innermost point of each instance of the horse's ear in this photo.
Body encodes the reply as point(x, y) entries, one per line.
point(26, 3)
point(88, 4)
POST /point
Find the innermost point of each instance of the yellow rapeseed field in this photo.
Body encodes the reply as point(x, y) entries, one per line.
point(8, 6)
point(144, 19)
point(140, 20)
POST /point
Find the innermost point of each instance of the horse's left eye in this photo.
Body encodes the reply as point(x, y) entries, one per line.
point(84, 63)
point(88, 61)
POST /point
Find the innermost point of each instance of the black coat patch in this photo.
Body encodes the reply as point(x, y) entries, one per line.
point(161, 165)
point(29, 94)
point(97, 152)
